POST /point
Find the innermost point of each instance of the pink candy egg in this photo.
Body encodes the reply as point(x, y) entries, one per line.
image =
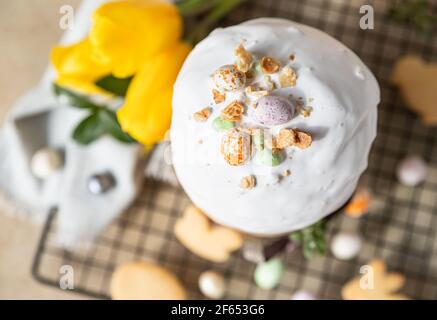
point(412, 170)
point(273, 110)
point(303, 295)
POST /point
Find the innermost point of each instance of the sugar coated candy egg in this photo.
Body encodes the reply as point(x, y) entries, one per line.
point(273, 110)
point(235, 147)
point(229, 78)
point(412, 171)
point(269, 274)
point(45, 162)
point(346, 246)
point(303, 295)
point(268, 158)
point(212, 285)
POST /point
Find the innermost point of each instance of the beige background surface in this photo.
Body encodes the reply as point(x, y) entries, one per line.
point(28, 28)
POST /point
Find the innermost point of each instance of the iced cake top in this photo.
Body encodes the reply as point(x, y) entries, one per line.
point(272, 125)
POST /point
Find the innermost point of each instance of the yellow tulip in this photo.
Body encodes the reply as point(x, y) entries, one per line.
point(126, 33)
point(146, 113)
point(76, 69)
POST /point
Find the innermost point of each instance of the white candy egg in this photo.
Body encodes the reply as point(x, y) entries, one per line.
point(212, 285)
point(45, 162)
point(412, 170)
point(229, 78)
point(346, 246)
point(303, 295)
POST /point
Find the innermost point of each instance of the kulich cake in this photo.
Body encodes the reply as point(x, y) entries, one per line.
point(272, 125)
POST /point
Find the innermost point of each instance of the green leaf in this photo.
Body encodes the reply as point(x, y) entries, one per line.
point(416, 13)
point(117, 86)
point(74, 99)
point(189, 8)
point(296, 237)
point(108, 120)
point(100, 122)
point(312, 239)
point(220, 10)
point(89, 129)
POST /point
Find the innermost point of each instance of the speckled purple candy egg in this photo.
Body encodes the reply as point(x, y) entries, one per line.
point(273, 111)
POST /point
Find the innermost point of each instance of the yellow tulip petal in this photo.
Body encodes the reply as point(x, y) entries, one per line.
point(82, 86)
point(126, 33)
point(146, 114)
point(76, 68)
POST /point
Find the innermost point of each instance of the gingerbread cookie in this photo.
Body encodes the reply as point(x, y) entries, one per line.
point(418, 83)
point(204, 238)
point(374, 284)
point(145, 281)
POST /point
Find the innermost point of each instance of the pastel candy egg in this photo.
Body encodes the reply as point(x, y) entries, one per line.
point(303, 295)
point(412, 171)
point(212, 285)
point(220, 124)
point(253, 251)
point(235, 147)
point(45, 162)
point(346, 246)
point(269, 274)
point(268, 158)
point(229, 78)
point(273, 111)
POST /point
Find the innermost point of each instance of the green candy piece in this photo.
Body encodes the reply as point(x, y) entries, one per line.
point(268, 158)
point(258, 140)
point(269, 274)
point(257, 67)
point(220, 124)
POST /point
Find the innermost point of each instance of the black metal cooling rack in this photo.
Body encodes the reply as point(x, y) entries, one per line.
point(400, 228)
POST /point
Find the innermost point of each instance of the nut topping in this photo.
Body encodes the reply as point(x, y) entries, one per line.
point(244, 58)
point(270, 65)
point(288, 77)
point(248, 182)
point(202, 115)
point(291, 137)
point(233, 112)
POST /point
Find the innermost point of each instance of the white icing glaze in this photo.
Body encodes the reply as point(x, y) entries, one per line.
point(344, 96)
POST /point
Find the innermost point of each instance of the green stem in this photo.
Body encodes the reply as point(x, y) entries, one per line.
point(221, 9)
point(190, 8)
